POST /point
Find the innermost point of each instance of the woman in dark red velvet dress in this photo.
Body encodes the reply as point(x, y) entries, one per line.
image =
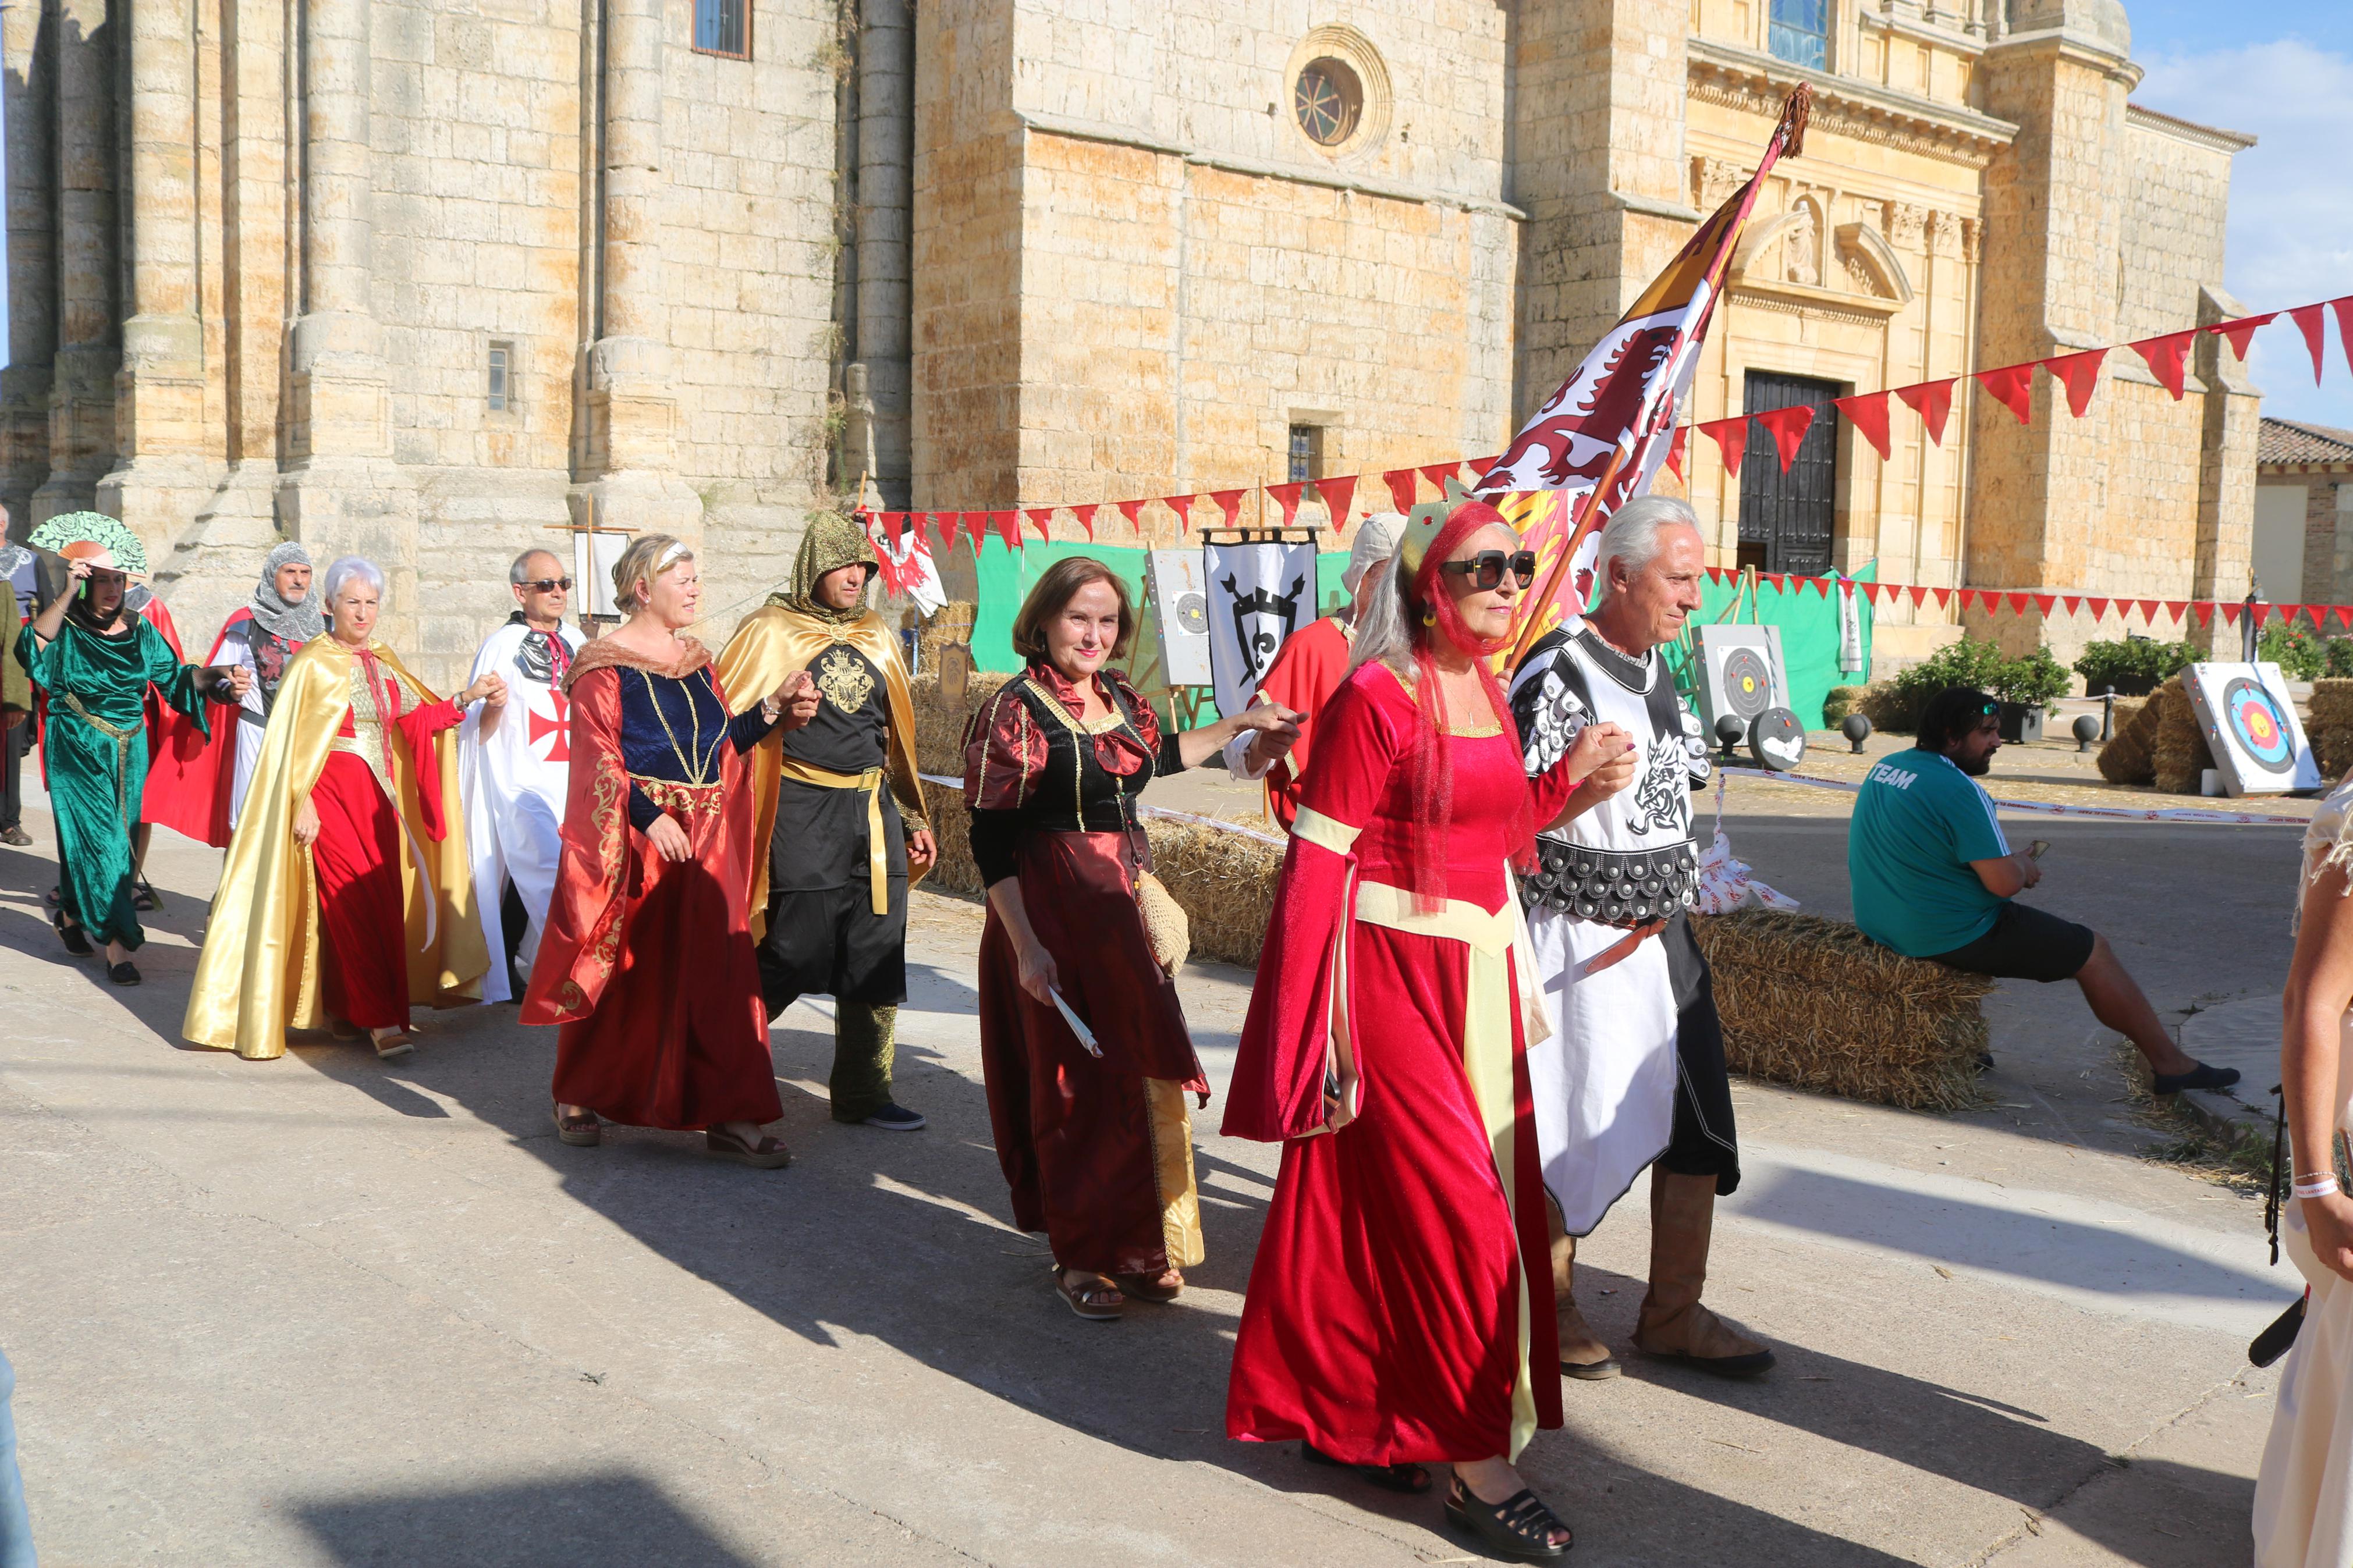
point(1093, 1133)
point(647, 963)
point(1400, 1311)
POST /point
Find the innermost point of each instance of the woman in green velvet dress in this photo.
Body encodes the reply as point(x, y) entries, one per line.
point(96, 663)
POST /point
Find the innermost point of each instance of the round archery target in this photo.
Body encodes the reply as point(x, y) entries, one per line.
point(1776, 739)
point(1193, 613)
point(1745, 682)
point(2256, 725)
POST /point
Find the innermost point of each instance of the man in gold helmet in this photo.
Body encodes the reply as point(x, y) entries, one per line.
point(841, 833)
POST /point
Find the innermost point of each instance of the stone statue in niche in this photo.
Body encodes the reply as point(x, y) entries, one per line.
point(855, 460)
point(1800, 248)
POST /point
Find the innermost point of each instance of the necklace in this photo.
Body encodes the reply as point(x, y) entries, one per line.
point(698, 771)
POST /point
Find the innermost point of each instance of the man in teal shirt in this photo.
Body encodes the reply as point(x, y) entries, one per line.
point(1935, 878)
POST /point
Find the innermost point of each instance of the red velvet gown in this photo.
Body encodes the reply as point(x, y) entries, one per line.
point(1401, 1306)
point(649, 964)
point(1096, 1148)
point(363, 920)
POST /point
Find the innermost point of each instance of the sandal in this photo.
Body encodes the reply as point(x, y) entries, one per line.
point(1410, 1479)
point(392, 1045)
point(1147, 1287)
point(767, 1154)
point(144, 897)
point(582, 1131)
point(76, 942)
point(1094, 1298)
point(1520, 1526)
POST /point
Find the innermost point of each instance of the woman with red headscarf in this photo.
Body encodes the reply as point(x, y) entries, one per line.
point(1401, 1306)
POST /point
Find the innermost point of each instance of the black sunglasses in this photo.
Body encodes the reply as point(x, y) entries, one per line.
point(1486, 569)
point(547, 584)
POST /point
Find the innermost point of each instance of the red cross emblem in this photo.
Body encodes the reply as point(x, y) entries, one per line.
point(560, 728)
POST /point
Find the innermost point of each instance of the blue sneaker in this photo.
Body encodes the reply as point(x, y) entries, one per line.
point(897, 1118)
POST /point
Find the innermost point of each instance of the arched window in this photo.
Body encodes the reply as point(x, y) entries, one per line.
point(1798, 31)
point(723, 28)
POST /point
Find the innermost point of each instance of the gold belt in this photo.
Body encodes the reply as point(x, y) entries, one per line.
point(682, 800)
point(878, 852)
point(121, 739)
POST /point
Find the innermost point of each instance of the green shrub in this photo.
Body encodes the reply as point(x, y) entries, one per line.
point(2134, 660)
point(2034, 678)
point(2295, 649)
point(2339, 656)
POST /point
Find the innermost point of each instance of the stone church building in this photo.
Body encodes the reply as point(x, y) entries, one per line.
point(435, 279)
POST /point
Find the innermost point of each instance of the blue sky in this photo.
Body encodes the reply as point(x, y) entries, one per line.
point(2282, 70)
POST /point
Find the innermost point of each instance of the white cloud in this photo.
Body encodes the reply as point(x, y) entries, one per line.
point(2291, 237)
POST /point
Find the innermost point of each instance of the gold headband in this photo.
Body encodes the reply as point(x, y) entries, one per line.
point(1425, 523)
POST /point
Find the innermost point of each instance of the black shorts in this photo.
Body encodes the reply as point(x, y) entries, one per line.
point(2025, 944)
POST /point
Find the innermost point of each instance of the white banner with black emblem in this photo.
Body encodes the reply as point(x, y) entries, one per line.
point(1259, 595)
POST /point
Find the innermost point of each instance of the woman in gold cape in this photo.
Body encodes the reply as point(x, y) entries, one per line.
point(839, 832)
point(263, 968)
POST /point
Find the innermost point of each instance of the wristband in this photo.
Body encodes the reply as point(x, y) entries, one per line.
point(2323, 1187)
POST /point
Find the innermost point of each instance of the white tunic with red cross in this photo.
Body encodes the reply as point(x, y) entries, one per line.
point(513, 783)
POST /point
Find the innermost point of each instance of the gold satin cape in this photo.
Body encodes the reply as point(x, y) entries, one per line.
point(258, 974)
point(771, 646)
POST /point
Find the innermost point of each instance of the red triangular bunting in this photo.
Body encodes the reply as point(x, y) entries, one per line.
point(946, 523)
point(2174, 607)
point(1182, 507)
point(2309, 319)
point(1337, 493)
point(2230, 613)
point(2081, 372)
point(1731, 439)
point(1086, 516)
point(2344, 308)
point(2204, 610)
point(2071, 603)
point(2017, 603)
point(1868, 413)
point(1932, 401)
point(1787, 427)
point(2043, 601)
point(1675, 451)
point(2148, 609)
point(1008, 528)
point(1401, 482)
point(1780, 581)
point(2344, 613)
point(2242, 330)
point(2013, 384)
point(1287, 498)
point(1943, 596)
point(2164, 356)
point(1042, 516)
point(2099, 607)
point(1918, 593)
point(1128, 508)
point(1438, 473)
point(1230, 502)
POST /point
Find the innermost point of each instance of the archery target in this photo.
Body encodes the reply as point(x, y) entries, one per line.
point(2248, 717)
point(1739, 673)
point(1193, 614)
point(1747, 683)
point(2254, 723)
point(1776, 739)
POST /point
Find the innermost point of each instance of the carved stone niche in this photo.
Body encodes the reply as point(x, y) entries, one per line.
point(1904, 225)
point(1712, 182)
point(1872, 264)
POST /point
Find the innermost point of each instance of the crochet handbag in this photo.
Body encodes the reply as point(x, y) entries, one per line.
point(1166, 924)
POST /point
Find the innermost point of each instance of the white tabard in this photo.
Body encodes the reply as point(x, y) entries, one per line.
point(1604, 1084)
point(512, 784)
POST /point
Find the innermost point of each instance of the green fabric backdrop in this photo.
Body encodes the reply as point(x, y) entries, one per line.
point(1809, 637)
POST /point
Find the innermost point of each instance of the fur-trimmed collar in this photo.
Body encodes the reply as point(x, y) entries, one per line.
point(605, 653)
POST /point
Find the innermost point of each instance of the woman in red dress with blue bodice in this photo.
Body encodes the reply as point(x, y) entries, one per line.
point(1400, 1311)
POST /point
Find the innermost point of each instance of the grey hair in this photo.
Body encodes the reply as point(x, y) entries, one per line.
point(1384, 629)
point(518, 576)
point(1631, 535)
point(346, 567)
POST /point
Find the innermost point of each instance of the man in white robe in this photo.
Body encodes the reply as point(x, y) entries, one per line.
point(1633, 1075)
point(514, 768)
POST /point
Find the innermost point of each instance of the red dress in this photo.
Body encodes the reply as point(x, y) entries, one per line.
point(362, 919)
point(649, 964)
point(1307, 669)
point(1400, 1307)
point(1097, 1149)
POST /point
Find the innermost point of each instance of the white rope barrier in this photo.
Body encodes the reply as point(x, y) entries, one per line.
point(2184, 813)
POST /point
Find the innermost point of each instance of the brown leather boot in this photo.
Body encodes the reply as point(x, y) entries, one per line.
point(1672, 1322)
point(1582, 1354)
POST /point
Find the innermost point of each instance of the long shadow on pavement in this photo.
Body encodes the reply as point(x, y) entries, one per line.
point(618, 1517)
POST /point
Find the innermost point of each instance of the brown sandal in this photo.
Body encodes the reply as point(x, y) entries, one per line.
point(580, 1131)
point(1087, 1298)
point(1147, 1287)
point(767, 1154)
point(392, 1045)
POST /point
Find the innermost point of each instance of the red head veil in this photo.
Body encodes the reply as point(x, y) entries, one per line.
point(1435, 617)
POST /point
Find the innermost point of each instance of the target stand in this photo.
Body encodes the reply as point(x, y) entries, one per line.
point(1740, 674)
point(2250, 723)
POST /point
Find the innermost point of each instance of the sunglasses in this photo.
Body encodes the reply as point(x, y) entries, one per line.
point(1486, 569)
point(547, 584)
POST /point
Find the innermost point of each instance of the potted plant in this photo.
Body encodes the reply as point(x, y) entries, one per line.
point(2026, 686)
point(2133, 668)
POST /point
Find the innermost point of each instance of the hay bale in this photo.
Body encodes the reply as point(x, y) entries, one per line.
point(1223, 880)
point(1842, 701)
point(2129, 758)
point(1888, 709)
point(2179, 751)
point(2329, 725)
point(1812, 1002)
point(951, 625)
point(2331, 703)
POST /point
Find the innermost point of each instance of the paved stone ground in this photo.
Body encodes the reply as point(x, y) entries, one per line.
point(328, 1312)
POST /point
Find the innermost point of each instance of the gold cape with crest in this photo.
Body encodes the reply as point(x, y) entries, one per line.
point(258, 975)
point(771, 645)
